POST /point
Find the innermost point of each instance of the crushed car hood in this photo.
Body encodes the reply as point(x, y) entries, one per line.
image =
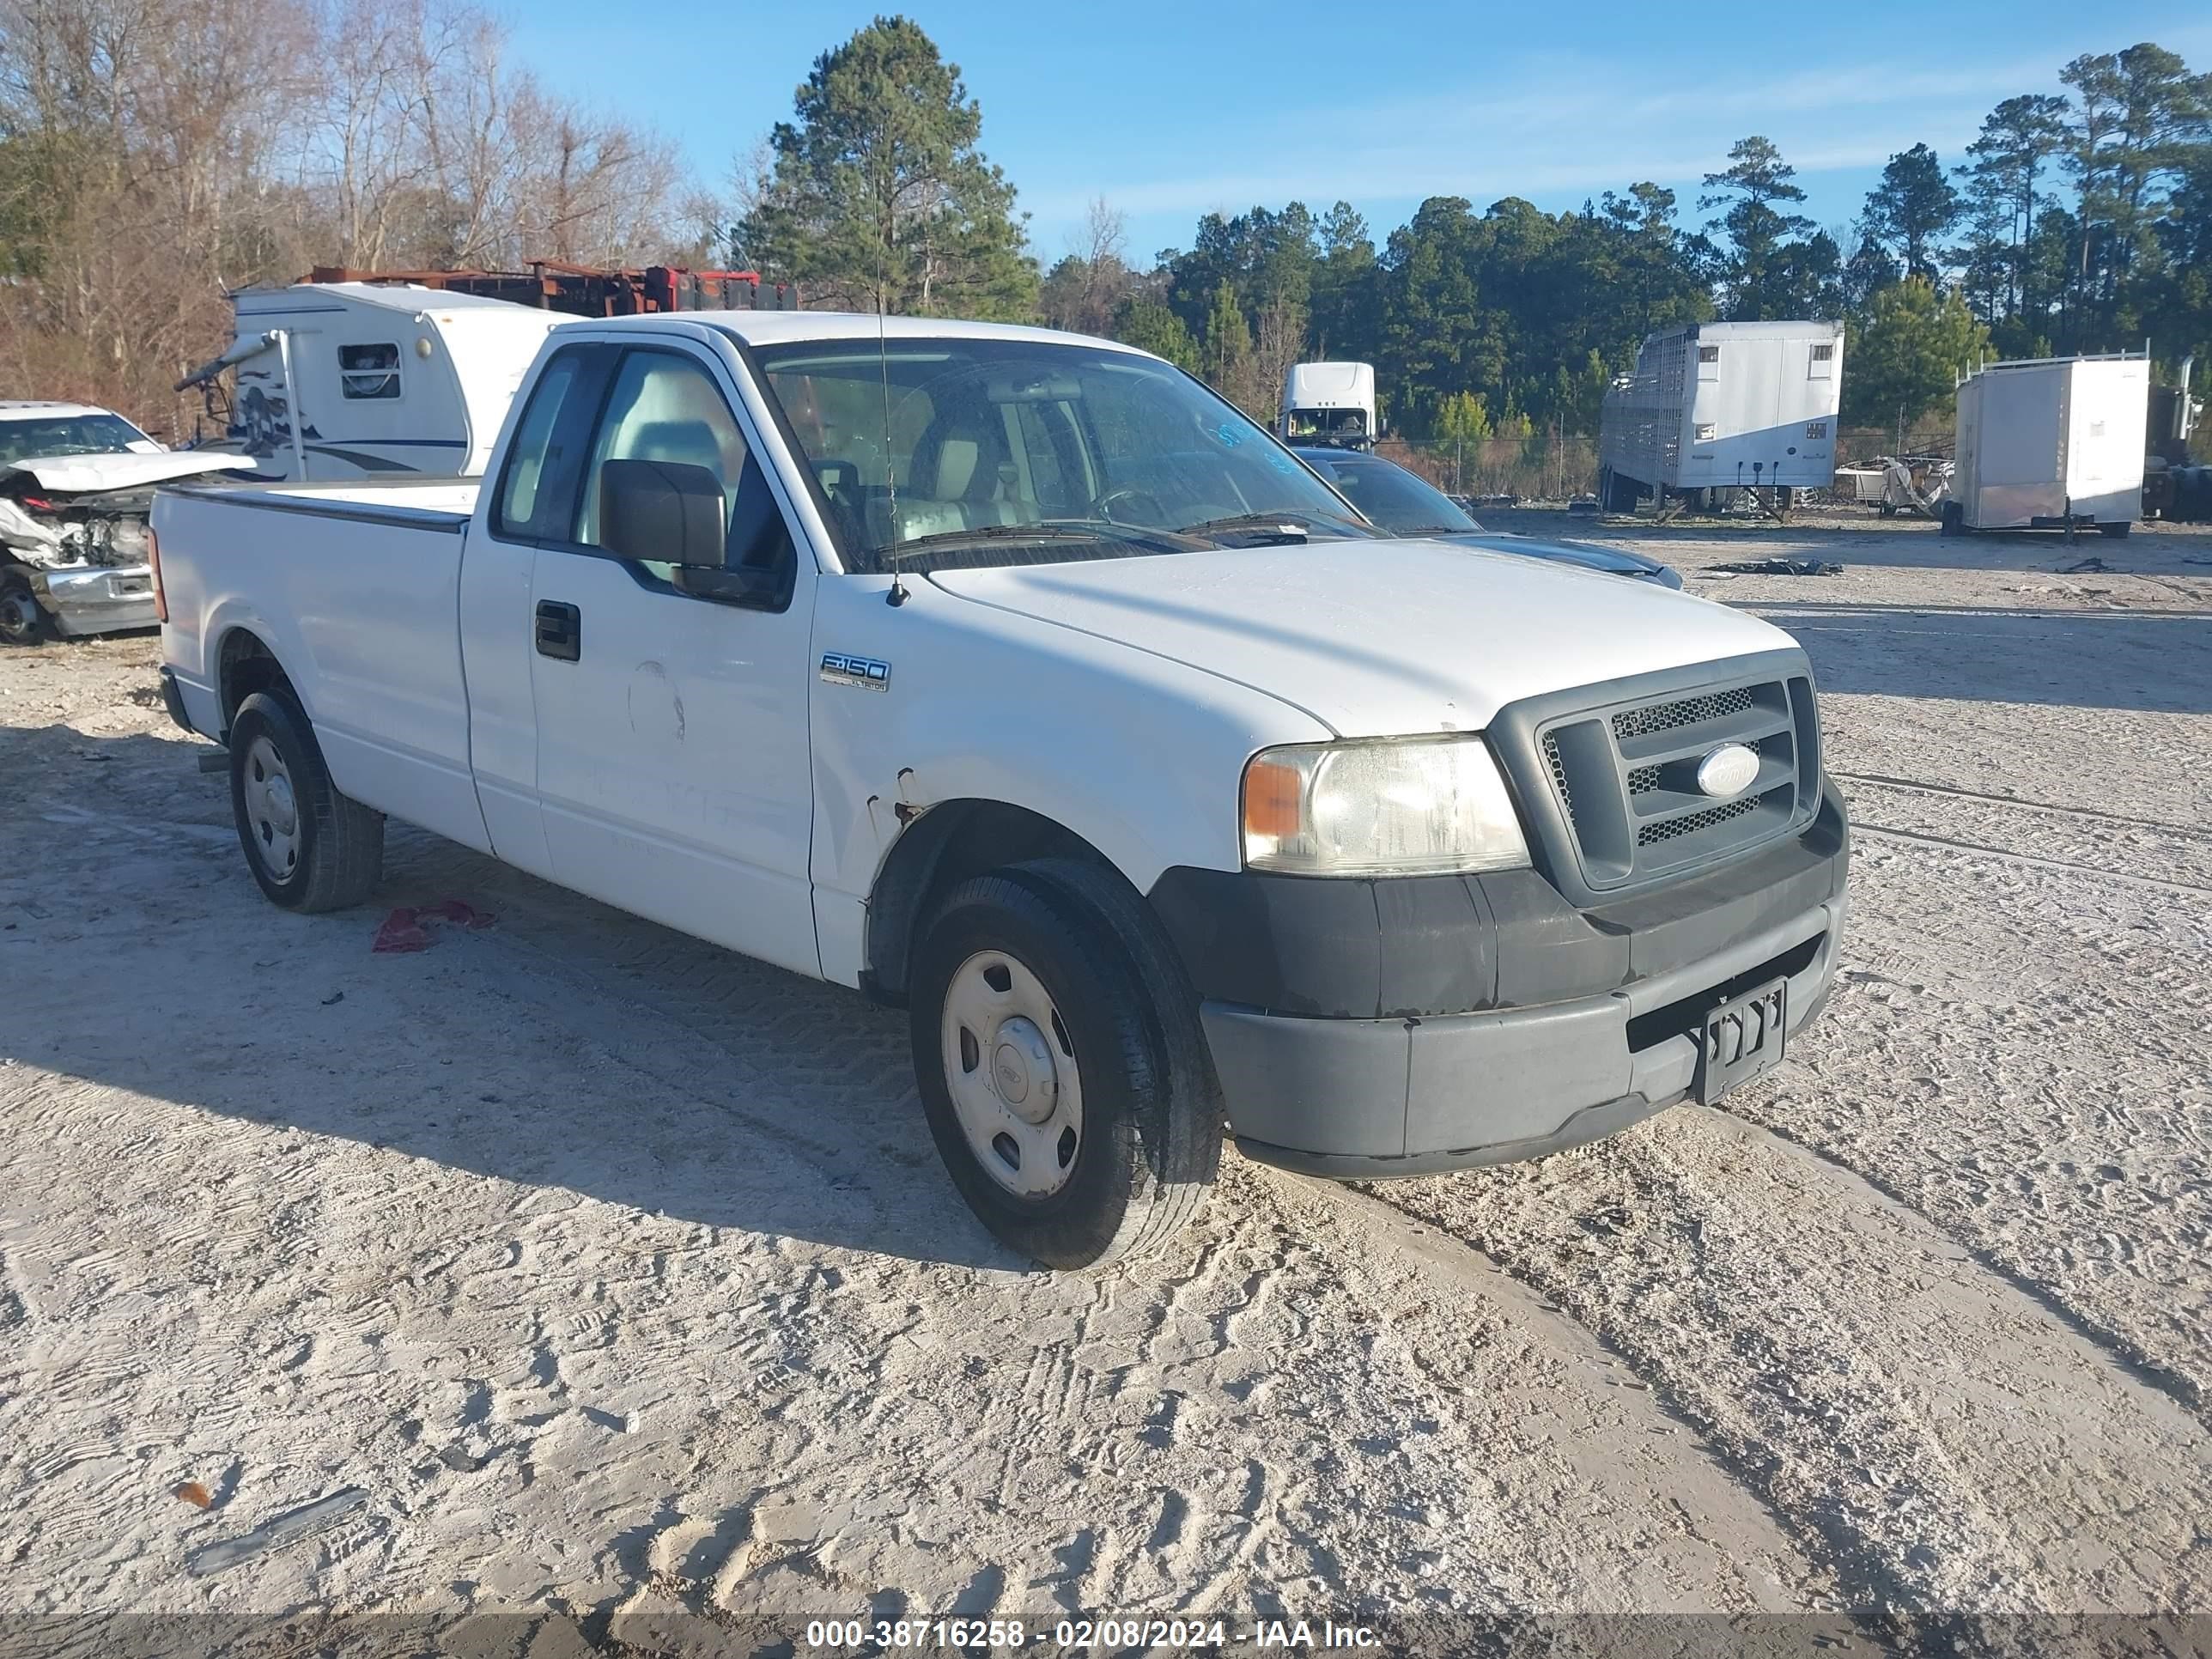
point(1377, 639)
point(84, 475)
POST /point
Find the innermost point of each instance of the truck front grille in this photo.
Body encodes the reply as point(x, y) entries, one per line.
point(1623, 775)
point(1683, 711)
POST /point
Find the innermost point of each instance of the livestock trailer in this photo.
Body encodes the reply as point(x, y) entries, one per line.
point(2051, 442)
point(1715, 407)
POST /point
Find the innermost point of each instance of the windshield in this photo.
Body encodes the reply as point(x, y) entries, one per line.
point(1017, 452)
point(69, 435)
point(1402, 502)
point(1326, 425)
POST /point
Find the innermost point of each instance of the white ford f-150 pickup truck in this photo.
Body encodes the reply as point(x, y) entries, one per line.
point(1016, 678)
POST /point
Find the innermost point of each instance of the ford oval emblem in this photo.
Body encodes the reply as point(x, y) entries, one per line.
point(1728, 771)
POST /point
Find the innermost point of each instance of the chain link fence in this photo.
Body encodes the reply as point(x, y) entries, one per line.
point(1546, 467)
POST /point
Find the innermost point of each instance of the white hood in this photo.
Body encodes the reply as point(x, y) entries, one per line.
point(1378, 639)
point(90, 474)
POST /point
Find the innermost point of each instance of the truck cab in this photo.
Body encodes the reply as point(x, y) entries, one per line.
point(1329, 404)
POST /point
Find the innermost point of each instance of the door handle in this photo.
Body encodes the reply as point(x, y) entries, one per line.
point(560, 630)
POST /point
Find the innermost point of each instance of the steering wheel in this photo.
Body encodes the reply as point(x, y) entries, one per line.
point(1103, 507)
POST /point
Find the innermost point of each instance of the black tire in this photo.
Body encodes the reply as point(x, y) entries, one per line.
point(338, 852)
point(2116, 531)
point(23, 620)
point(1151, 1131)
point(1954, 518)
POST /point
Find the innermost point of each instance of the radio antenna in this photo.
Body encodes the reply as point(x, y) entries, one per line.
point(898, 595)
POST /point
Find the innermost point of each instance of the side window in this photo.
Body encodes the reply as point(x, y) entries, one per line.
point(538, 489)
point(1821, 365)
point(368, 371)
point(663, 407)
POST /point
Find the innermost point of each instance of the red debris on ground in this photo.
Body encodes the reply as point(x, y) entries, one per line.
point(403, 930)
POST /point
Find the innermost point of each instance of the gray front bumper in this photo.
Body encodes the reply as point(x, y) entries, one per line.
point(1369, 1098)
point(98, 599)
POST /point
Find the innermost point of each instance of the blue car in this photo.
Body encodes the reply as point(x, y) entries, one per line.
point(1406, 504)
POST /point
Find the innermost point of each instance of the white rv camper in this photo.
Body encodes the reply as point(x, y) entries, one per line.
point(346, 380)
point(1329, 404)
point(2051, 442)
point(1715, 407)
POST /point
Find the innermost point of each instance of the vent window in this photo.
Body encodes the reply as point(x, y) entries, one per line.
point(368, 371)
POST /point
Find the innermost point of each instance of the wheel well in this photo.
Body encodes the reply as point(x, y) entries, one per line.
point(244, 665)
point(945, 846)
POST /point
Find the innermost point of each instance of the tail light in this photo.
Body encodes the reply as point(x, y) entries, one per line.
point(153, 562)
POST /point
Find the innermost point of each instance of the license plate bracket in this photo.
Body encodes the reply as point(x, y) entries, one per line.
point(1740, 1039)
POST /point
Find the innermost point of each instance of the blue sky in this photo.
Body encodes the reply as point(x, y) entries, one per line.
point(1168, 111)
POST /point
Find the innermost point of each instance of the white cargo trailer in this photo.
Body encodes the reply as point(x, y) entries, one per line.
point(2051, 442)
point(1714, 407)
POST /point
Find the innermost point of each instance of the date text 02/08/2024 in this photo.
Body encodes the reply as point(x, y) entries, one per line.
point(988, 1634)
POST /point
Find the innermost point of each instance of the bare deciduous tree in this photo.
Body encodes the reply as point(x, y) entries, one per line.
point(155, 153)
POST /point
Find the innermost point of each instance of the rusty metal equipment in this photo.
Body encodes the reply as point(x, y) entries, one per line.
point(590, 291)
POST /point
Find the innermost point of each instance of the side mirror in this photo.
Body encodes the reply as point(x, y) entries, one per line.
point(661, 510)
point(749, 585)
point(760, 564)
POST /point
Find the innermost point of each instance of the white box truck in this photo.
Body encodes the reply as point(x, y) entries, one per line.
point(1163, 794)
point(1329, 404)
point(2050, 443)
point(1716, 407)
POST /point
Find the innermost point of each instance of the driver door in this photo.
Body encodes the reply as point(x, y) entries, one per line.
point(672, 763)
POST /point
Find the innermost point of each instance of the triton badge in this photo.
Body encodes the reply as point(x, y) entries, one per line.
point(869, 673)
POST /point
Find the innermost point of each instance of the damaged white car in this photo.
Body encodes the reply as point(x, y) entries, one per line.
point(75, 486)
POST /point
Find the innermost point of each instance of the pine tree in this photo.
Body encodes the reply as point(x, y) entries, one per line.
point(879, 198)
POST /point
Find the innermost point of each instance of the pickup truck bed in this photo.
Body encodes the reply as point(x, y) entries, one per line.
point(354, 587)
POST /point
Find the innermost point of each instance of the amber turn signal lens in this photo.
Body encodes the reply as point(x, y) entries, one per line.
point(1272, 805)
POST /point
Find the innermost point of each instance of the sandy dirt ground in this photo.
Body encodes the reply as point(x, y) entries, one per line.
point(583, 1271)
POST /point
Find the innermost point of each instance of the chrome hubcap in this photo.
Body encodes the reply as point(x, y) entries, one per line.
point(272, 812)
point(1010, 1066)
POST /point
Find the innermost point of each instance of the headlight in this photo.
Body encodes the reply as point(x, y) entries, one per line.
point(1403, 806)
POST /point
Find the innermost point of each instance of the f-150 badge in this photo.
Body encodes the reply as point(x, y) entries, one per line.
point(869, 673)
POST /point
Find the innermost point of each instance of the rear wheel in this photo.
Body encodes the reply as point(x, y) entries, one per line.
point(23, 620)
point(1075, 1109)
point(309, 847)
point(1954, 518)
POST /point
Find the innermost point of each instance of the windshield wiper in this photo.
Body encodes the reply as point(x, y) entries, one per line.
point(1042, 530)
point(1283, 523)
point(922, 545)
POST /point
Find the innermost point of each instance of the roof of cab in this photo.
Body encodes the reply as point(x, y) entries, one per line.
point(761, 328)
point(13, 409)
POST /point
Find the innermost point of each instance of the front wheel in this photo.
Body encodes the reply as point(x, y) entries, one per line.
point(23, 620)
point(1075, 1109)
point(310, 848)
